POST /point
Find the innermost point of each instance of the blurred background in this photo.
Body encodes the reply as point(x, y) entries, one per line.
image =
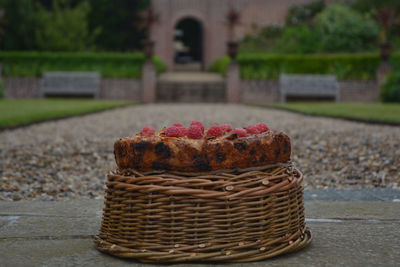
point(342, 51)
point(63, 58)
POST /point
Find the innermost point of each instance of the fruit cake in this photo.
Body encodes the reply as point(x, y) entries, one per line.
point(199, 150)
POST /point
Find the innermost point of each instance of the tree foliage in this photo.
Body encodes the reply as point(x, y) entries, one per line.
point(371, 6)
point(119, 21)
point(63, 28)
point(298, 40)
point(72, 25)
point(19, 33)
point(345, 30)
point(300, 14)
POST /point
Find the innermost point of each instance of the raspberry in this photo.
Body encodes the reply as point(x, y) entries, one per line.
point(215, 131)
point(262, 127)
point(148, 131)
point(252, 130)
point(195, 132)
point(184, 131)
point(226, 127)
point(174, 131)
point(240, 132)
point(198, 123)
point(177, 124)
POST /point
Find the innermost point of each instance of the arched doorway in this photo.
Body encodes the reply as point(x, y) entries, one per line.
point(188, 45)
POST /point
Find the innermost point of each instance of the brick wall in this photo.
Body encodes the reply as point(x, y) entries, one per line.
point(260, 91)
point(252, 91)
point(362, 91)
point(21, 87)
point(27, 87)
point(123, 89)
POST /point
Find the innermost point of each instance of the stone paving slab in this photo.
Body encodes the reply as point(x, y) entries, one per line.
point(365, 194)
point(334, 244)
point(60, 234)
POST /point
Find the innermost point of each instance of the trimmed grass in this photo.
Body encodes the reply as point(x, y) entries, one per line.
point(17, 112)
point(370, 112)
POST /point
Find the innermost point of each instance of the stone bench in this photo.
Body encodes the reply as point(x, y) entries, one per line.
point(312, 86)
point(57, 83)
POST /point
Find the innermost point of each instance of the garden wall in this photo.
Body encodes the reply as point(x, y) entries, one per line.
point(267, 91)
point(118, 88)
point(253, 91)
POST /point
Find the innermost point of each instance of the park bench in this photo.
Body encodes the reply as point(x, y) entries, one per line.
point(308, 86)
point(81, 84)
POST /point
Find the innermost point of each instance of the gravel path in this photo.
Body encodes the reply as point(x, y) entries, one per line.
point(70, 158)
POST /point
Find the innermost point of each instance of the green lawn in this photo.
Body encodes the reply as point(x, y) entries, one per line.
point(15, 112)
point(372, 112)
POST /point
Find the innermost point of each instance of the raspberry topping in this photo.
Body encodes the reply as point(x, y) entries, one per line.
point(252, 129)
point(195, 132)
point(240, 132)
point(225, 127)
point(184, 131)
point(174, 131)
point(198, 123)
point(262, 127)
point(215, 131)
point(177, 124)
point(148, 131)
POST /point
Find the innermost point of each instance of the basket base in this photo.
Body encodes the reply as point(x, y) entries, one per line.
point(180, 254)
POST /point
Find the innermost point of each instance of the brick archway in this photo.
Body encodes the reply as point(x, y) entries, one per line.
point(189, 14)
point(198, 38)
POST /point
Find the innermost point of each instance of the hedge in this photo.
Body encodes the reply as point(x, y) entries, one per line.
point(270, 66)
point(113, 65)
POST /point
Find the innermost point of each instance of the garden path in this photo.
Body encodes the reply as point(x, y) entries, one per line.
point(70, 158)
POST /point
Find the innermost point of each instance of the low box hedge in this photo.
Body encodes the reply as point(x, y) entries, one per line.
point(111, 65)
point(270, 66)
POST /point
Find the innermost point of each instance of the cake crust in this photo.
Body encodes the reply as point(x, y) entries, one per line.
point(181, 154)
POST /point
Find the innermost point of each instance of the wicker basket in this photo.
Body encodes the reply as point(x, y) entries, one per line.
point(225, 217)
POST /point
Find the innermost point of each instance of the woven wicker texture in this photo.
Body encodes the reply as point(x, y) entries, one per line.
point(221, 217)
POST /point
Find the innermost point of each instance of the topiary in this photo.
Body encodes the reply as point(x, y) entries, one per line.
point(391, 88)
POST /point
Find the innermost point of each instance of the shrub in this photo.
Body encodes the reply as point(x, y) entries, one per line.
point(299, 14)
point(1, 89)
point(345, 30)
point(113, 65)
point(391, 89)
point(220, 65)
point(262, 39)
point(298, 40)
point(270, 66)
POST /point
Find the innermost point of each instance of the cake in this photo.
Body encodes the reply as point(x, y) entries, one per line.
point(198, 150)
